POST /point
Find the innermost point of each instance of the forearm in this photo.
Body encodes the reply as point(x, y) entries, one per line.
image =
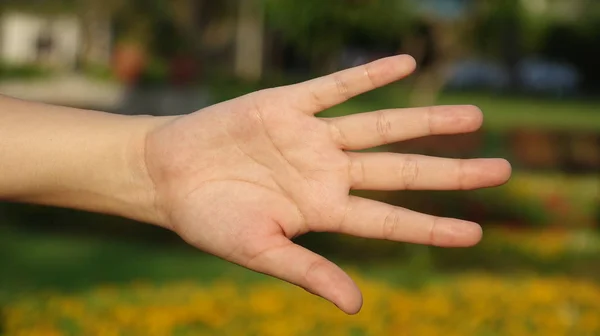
point(75, 158)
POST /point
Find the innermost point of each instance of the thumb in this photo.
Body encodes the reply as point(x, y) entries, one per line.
point(295, 264)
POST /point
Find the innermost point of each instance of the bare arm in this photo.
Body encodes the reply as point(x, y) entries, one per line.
point(74, 158)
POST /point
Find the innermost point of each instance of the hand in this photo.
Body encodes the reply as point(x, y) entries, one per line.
point(242, 178)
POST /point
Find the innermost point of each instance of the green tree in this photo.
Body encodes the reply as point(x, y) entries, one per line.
point(319, 29)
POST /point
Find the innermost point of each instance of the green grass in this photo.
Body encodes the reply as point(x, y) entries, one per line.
point(502, 113)
point(23, 72)
point(35, 261)
point(40, 261)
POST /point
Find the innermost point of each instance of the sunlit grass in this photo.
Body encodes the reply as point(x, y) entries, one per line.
point(501, 112)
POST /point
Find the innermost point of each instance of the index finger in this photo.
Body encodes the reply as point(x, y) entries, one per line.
point(319, 94)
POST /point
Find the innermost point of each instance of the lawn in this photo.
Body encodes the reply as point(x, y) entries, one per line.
point(501, 113)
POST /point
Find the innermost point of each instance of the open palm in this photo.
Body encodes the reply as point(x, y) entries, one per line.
point(242, 178)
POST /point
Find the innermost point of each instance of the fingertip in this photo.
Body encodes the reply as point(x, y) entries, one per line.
point(409, 63)
point(353, 310)
point(505, 169)
point(471, 116)
point(336, 286)
point(352, 304)
point(457, 233)
point(473, 234)
point(476, 114)
point(390, 69)
point(347, 296)
point(491, 172)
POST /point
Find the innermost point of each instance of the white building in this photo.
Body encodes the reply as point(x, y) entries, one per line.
point(57, 41)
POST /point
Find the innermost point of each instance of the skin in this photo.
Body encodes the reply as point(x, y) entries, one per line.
point(242, 178)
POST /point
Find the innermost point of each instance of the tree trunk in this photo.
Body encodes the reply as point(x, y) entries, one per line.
point(184, 12)
point(96, 36)
point(445, 47)
point(429, 84)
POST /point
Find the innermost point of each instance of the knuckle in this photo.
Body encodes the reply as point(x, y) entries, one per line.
point(384, 126)
point(430, 113)
point(337, 135)
point(391, 225)
point(342, 87)
point(432, 231)
point(410, 172)
point(249, 254)
point(317, 100)
point(369, 75)
point(310, 276)
point(357, 172)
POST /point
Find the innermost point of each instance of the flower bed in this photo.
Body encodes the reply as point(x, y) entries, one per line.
point(467, 305)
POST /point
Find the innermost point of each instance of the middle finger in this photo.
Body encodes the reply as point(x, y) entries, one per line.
point(391, 171)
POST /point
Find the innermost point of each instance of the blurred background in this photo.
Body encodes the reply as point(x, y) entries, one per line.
point(531, 65)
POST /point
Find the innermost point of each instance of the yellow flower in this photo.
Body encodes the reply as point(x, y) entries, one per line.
point(467, 305)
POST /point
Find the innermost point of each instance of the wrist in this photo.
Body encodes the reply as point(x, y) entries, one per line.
point(74, 158)
point(137, 186)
